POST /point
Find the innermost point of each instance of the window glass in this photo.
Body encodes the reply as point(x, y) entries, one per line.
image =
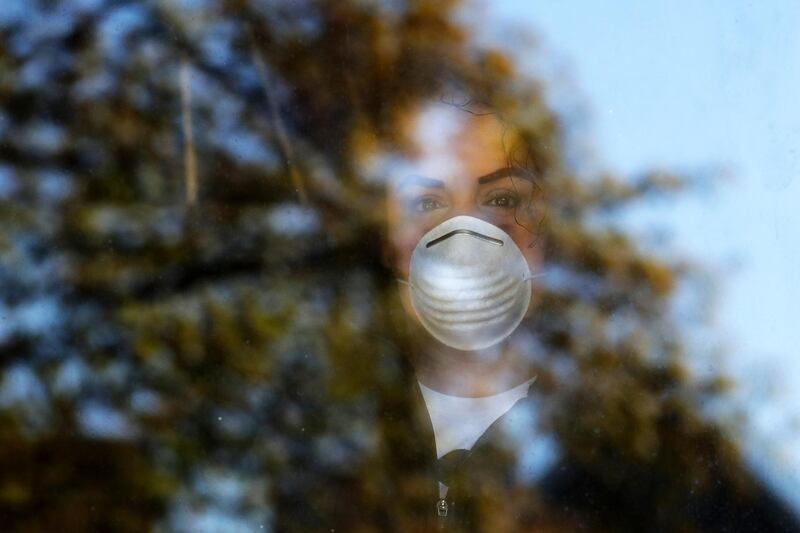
point(378, 265)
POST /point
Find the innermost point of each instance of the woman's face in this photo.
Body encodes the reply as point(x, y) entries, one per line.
point(459, 166)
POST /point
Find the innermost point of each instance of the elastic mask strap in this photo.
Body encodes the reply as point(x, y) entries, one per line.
point(533, 276)
point(404, 282)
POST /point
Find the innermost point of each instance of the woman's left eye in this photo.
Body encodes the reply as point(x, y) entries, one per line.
point(506, 201)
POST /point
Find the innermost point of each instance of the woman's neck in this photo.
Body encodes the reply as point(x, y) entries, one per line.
point(474, 373)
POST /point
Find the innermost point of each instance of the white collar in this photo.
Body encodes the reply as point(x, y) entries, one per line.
point(458, 421)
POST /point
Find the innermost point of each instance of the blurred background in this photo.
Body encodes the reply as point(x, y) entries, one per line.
point(705, 89)
point(196, 329)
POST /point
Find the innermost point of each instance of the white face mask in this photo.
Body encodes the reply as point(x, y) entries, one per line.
point(469, 283)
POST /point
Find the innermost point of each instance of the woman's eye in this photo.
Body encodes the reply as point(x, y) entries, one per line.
point(506, 201)
point(423, 205)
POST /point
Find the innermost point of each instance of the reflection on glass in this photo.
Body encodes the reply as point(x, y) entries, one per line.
point(313, 266)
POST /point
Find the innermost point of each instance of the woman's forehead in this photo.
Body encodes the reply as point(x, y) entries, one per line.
point(439, 127)
point(450, 144)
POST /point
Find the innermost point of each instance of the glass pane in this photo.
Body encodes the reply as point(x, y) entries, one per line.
point(394, 265)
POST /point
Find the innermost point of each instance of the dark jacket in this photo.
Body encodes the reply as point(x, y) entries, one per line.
point(488, 489)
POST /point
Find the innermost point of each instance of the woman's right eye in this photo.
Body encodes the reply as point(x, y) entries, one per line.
point(426, 204)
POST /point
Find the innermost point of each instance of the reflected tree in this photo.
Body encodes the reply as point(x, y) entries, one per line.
point(229, 358)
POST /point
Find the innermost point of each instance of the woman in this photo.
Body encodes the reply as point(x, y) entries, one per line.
point(464, 246)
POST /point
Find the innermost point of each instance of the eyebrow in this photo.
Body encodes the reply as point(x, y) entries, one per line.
point(506, 172)
point(420, 181)
point(431, 183)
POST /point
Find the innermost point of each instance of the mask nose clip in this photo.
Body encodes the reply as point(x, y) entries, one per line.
point(481, 236)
